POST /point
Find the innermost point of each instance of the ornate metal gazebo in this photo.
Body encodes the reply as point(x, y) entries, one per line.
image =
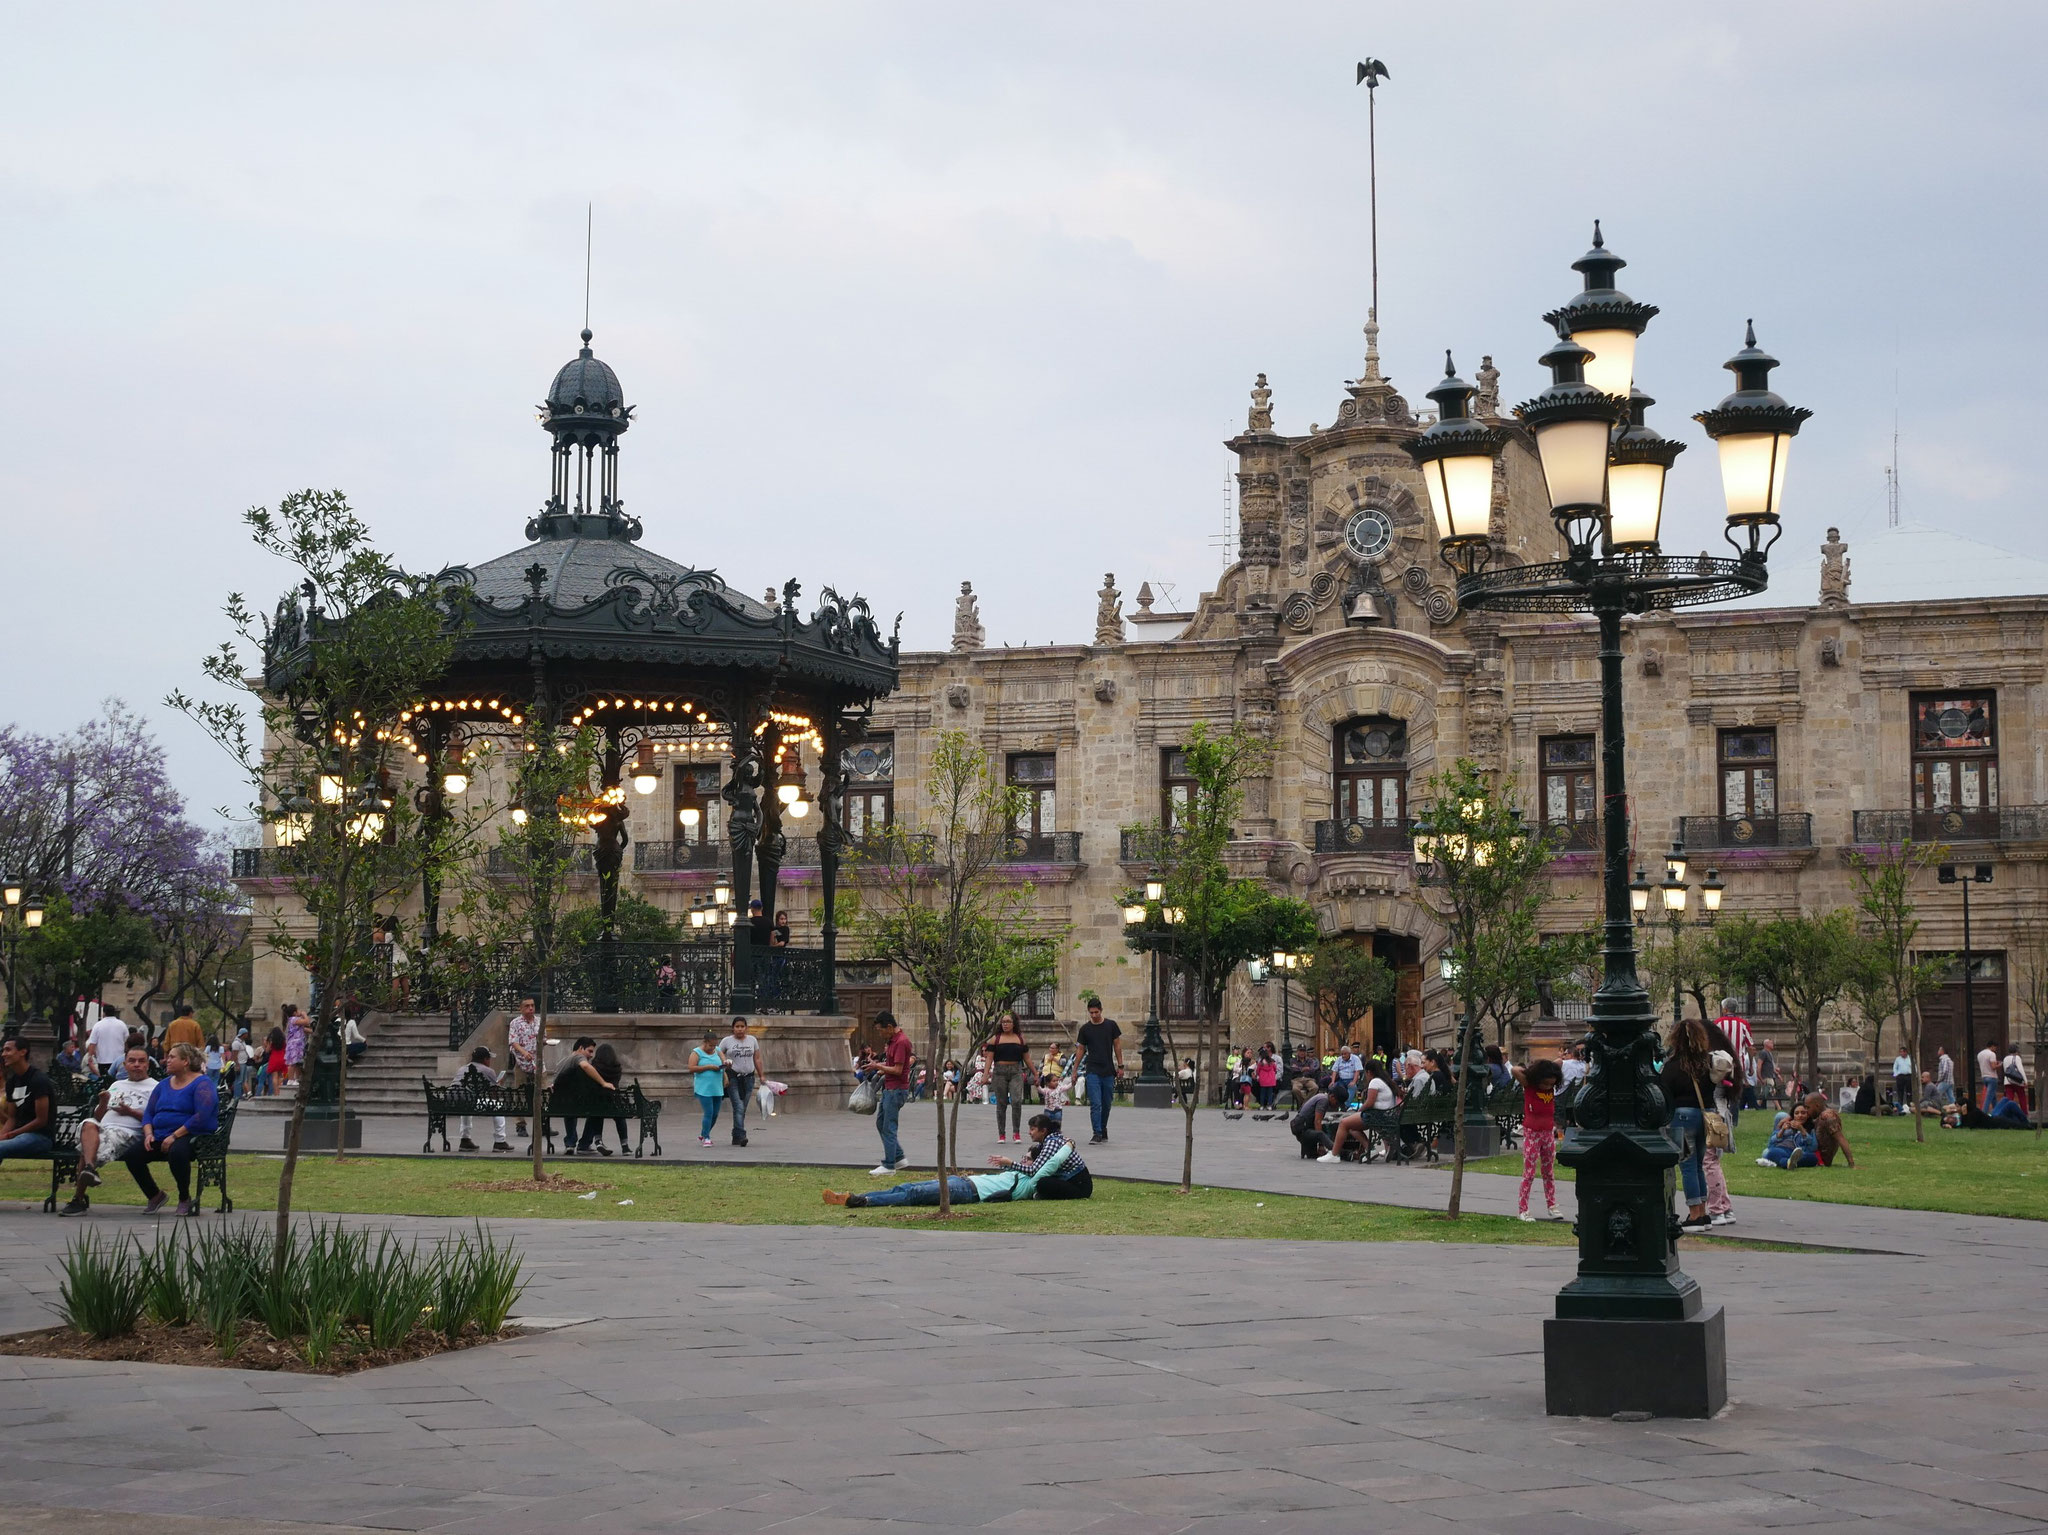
point(584, 627)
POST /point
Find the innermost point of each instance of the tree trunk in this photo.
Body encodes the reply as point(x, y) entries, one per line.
point(1458, 1129)
point(540, 1056)
point(935, 1073)
point(1187, 1148)
point(341, 1095)
point(1913, 1086)
point(293, 1130)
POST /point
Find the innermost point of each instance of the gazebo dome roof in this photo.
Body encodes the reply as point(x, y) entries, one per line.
point(586, 385)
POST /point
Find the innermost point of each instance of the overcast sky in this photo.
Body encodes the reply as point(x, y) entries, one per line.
point(916, 293)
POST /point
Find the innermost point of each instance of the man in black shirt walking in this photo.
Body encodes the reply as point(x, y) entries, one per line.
point(1102, 1058)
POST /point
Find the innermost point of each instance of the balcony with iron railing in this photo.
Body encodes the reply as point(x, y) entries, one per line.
point(262, 863)
point(503, 862)
point(677, 856)
point(1573, 836)
point(2000, 823)
point(1351, 835)
point(1147, 844)
point(1053, 847)
point(1704, 833)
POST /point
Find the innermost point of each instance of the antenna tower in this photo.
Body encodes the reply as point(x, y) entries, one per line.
point(1225, 542)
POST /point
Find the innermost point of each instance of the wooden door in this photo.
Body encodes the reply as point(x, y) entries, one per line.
point(861, 1004)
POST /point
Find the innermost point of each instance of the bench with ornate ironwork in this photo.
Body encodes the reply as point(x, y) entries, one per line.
point(481, 1099)
point(584, 1101)
point(209, 1153)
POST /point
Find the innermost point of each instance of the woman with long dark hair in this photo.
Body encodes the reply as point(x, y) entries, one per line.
point(606, 1067)
point(1011, 1059)
point(1688, 1078)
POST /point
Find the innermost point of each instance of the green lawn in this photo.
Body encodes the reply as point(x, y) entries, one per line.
point(790, 1196)
point(1965, 1172)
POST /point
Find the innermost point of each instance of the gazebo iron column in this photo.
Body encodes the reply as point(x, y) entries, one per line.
point(831, 836)
point(742, 795)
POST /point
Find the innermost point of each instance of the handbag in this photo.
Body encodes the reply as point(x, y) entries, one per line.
point(865, 1099)
point(1719, 1136)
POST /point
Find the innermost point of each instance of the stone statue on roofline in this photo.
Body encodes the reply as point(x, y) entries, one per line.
point(967, 631)
point(1109, 617)
point(1834, 571)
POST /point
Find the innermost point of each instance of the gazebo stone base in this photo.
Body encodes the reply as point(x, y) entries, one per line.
point(808, 1051)
point(1595, 1369)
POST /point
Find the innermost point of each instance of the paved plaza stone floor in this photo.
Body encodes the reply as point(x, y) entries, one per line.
point(823, 1379)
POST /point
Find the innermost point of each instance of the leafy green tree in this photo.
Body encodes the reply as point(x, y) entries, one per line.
point(634, 921)
point(937, 903)
point(78, 950)
point(1808, 960)
point(1344, 980)
point(342, 659)
point(1690, 953)
point(526, 913)
point(1485, 880)
point(1220, 919)
point(1890, 975)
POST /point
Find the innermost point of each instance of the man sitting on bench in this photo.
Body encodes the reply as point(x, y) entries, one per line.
point(117, 1131)
point(28, 1119)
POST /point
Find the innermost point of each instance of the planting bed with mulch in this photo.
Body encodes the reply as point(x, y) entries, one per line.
point(153, 1343)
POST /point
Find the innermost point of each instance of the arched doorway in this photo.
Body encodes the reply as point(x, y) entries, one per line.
point(1381, 1030)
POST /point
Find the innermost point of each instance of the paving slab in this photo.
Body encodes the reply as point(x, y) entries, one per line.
point(850, 1377)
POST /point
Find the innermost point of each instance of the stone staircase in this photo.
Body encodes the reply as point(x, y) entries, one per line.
point(387, 1079)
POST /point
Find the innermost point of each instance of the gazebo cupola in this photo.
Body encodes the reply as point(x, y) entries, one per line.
point(586, 413)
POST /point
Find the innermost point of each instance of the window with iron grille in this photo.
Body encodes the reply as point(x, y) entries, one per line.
point(1955, 751)
point(1176, 788)
point(1569, 796)
point(1371, 771)
point(1749, 775)
point(870, 786)
point(710, 808)
point(1034, 773)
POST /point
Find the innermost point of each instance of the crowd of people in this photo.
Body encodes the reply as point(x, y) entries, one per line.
point(155, 1098)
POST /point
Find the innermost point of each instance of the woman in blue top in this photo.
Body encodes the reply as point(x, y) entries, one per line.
point(709, 1083)
point(183, 1106)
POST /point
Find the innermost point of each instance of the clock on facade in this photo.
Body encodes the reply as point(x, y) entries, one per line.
point(1369, 533)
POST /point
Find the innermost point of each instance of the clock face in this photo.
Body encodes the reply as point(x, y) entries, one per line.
point(1369, 533)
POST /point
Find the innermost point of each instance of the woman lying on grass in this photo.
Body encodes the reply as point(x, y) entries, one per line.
point(1054, 1170)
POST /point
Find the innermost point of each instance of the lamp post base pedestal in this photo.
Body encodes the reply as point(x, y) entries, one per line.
point(1672, 1369)
point(1482, 1139)
point(1151, 1095)
point(321, 1130)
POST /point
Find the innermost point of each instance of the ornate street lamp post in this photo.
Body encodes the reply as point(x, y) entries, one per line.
point(1631, 1333)
point(1149, 923)
point(17, 915)
point(1677, 894)
point(1284, 965)
point(1977, 874)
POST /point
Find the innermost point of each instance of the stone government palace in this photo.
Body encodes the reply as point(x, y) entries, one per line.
point(1775, 735)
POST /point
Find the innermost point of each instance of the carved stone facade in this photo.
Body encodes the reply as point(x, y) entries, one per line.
point(1782, 738)
point(1339, 612)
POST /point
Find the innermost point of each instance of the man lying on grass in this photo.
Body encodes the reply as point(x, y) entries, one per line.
point(1054, 1170)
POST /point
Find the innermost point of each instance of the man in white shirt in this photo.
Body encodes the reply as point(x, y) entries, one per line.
point(1574, 1065)
point(1343, 1071)
point(741, 1053)
point(1987, 1077)
point(477, 1073)
point(1902, 1081)
point(109, 1042)
point(117, 1131)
